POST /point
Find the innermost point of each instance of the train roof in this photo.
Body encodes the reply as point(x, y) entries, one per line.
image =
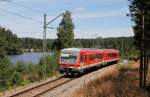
point(111, 50)
point(89, 49)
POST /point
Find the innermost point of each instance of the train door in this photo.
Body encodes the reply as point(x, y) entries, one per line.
point(82, 60)
point(105, 57)
point(86, 59)
point(102, 58)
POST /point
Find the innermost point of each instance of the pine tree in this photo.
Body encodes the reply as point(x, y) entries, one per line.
point(65, 32)
point(9, 43)
point(140, 13)
point(136, 7)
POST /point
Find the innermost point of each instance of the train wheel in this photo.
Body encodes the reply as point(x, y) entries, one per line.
point(69, 74)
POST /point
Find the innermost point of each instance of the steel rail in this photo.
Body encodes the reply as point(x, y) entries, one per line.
point(40, 85)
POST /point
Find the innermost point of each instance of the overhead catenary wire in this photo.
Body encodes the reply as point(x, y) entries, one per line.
point(29, 8)
point(26, 7)
point(22, 16)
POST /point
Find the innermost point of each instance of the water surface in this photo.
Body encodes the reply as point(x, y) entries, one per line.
point(30, 57)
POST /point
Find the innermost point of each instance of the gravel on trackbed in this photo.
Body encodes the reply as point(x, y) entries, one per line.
point(69, 88)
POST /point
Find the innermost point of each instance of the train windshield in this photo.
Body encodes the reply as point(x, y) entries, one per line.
point(68, 58)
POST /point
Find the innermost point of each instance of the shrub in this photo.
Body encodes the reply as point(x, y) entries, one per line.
point(21, 67)
point(124, 67)
point(16, 78)
point(6, 70)
point(51, 65)
point(33, 72)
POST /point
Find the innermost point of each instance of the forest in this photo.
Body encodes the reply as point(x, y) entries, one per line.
point(10, 44)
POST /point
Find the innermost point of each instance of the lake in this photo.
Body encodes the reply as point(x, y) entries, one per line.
point(30, 57)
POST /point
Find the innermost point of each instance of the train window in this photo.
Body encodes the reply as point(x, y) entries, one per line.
point(85, 57)
point(94, 57)
point(112, 54)
point(109, 54)
point(101, 56)
point(91, 57)
point(97, 56)
point(69, 58)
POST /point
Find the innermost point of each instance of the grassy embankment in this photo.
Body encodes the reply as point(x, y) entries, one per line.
point(119, 82)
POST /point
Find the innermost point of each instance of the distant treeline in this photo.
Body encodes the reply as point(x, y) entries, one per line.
point(124, 44)
point(33, 44)
point(10, 44)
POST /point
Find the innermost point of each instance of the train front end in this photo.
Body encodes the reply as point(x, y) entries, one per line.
point(69, 61)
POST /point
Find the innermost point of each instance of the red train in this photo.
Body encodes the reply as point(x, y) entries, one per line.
point(76, 60)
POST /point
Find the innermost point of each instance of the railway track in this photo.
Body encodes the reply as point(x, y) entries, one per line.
point(42, 88)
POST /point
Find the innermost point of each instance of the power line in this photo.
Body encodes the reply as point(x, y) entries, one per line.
point(16, 14)
point(31, 9)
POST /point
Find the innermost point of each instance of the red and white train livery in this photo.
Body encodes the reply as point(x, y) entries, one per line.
point(77, 60)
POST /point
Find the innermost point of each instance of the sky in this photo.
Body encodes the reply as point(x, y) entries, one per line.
point(92, 18)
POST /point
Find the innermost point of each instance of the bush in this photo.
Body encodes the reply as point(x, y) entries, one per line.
point(16, 78)
point(21, 67)
point(124, 67)
point(6, 70)
point(51, 65)
point(33, 72)
point(24, 82)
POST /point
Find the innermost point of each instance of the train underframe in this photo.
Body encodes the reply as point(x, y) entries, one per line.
point(70, 71)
